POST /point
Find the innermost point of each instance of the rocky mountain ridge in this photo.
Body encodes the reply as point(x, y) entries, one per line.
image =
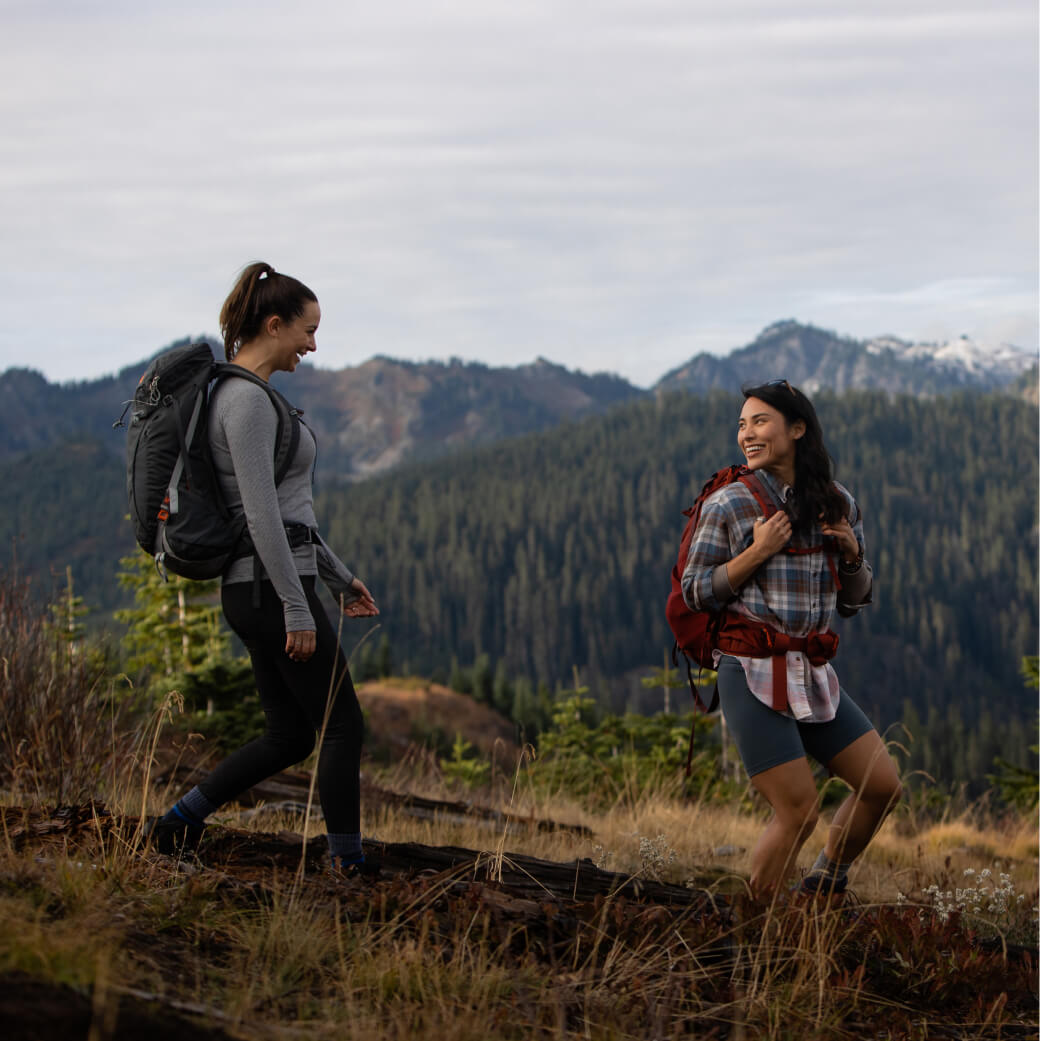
point(370, 417)
point(816, 359)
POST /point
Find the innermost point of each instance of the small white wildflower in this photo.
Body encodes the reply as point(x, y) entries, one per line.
point(986, 873)
point(969, 871)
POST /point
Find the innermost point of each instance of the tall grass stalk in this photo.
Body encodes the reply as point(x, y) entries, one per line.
point(334, 687)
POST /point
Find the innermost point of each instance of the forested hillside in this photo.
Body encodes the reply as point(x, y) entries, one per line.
point(65, 505)
point(554, 550)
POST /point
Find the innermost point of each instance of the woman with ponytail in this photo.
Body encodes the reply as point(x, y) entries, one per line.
point(775, 580)
point(269, 321)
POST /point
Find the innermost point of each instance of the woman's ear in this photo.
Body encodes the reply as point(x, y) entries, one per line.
point(797, 429)
point(272, 325)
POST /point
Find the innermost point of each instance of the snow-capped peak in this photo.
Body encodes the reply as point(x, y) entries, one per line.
point(961, 353)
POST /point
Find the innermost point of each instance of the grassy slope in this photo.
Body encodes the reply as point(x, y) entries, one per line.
point(249, 950)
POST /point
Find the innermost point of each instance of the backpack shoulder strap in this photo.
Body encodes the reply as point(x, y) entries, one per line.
point(719, 479)
point(758, 490)
point(754, 484)
point(287, 436)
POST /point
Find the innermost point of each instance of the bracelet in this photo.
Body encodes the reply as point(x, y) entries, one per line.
point(851, 569)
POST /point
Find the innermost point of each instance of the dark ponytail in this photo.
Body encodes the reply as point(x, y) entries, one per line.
point(815, 496)
point(259, 293)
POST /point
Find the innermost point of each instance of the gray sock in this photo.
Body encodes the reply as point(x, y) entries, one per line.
point(824, 867)
point(346, 847)
point(197, 805)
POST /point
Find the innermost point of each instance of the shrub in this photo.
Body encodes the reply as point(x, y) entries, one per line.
point(622, 756)
point(62, 730)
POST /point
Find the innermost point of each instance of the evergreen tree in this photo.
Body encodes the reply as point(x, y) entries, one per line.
point(174, 626)
point(384, 662)
point(502, 689)
point(66, 614)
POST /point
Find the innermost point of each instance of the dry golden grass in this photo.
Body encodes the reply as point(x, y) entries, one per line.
point(284, 963)
point(276, 957)
point(679, 841)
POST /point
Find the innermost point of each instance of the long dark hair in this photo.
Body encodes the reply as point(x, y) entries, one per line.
point(259, 293)
point(815, 496)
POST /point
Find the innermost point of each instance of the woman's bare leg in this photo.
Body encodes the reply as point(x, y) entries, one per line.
point(791, 792)
point(869, 770)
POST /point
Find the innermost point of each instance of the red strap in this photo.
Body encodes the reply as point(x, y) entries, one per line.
point(754, 485)
point(781, 645)
point(834, 571)
point(780, 683)
point(746, 638)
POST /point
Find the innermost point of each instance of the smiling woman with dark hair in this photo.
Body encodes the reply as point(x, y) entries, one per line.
point(785, 576)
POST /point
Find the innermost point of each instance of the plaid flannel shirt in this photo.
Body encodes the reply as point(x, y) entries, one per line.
point(793, 593)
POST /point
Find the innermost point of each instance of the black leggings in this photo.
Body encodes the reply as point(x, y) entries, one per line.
point(293, 695)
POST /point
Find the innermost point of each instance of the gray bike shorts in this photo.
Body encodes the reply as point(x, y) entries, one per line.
point(765, 738)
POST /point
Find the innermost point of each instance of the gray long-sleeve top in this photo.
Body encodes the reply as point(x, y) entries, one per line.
point(243, 426)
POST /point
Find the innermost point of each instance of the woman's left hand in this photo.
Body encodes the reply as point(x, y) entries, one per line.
point(847, 541)
point(364, 606)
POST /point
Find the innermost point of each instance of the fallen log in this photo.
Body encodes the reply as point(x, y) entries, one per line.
point(526, 876)
point(289, 790)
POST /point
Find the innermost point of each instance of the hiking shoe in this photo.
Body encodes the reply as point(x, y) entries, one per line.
point(365, 870)
point(172, 837)
point(823, 893)
point(813, 885)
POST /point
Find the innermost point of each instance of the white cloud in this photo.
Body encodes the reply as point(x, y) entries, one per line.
point(613, 185)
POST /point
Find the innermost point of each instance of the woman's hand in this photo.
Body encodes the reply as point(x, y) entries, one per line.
point(300, 645)
point(364, 606)
point(846, 537)
point(770, 536)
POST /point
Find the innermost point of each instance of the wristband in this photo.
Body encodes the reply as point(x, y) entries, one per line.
point(851, 569)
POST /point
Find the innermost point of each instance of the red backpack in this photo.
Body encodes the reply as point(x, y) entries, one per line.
point(697, 632)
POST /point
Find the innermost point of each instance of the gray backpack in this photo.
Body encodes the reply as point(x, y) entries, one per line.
point(176, 506)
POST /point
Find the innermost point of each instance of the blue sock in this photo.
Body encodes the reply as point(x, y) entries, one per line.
point(192, 808)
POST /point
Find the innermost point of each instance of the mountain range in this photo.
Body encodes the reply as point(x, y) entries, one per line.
point(815, 359)
point(371, 417)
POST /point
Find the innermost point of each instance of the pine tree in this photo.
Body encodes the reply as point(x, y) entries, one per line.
point(174, 626)
point(66, 614)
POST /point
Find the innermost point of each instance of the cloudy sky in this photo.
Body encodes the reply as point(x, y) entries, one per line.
point(612, 184)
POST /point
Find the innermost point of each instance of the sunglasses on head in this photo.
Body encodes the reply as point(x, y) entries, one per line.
point(779, 383)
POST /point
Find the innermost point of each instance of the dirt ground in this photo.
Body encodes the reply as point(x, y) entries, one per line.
point(530, 910)
point(533, 906)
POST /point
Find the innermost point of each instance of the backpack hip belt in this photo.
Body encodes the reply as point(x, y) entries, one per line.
point(296, 535)
point(749, 639)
